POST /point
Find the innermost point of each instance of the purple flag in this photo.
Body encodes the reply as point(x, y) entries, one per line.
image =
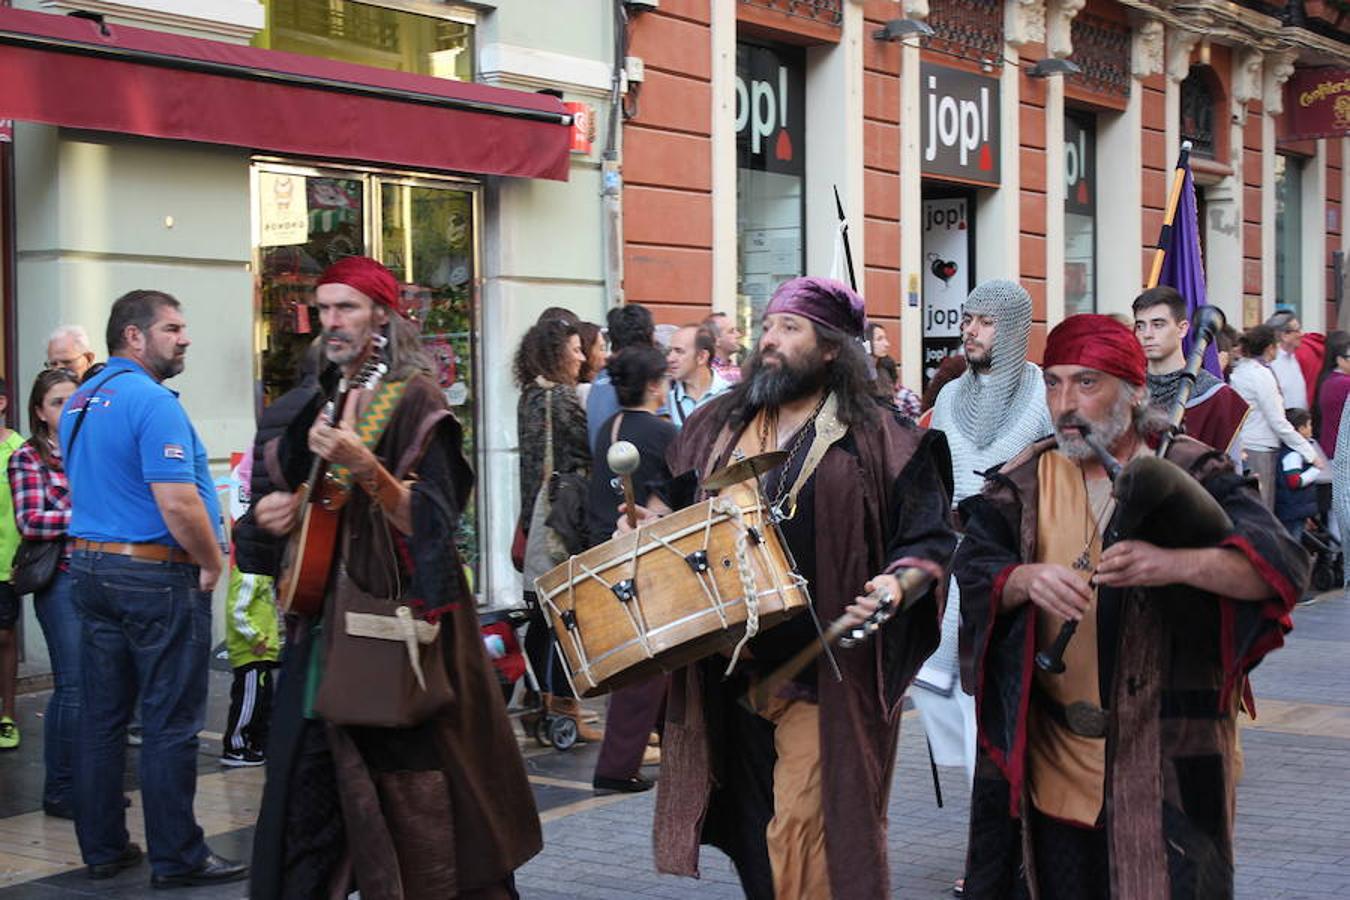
point(1184, 269)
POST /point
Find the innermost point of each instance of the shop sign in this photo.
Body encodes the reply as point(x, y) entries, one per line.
point(283, 209)
point(1080, 162)
point(946, 277)
point(770, 109)
point(959, 128)
point(1317, 103)
point(6, 131)
point(583, 126)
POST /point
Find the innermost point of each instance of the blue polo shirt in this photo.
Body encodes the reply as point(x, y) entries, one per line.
point(135, 434)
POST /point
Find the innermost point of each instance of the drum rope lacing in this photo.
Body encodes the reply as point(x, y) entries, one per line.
point(732, 510)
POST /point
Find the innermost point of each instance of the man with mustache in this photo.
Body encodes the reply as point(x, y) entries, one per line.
point(1122, 768)
point(146, 555)
point(796, 792)
point(989, 414)
point(392, 768)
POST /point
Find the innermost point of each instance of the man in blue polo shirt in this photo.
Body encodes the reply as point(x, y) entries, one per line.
point(146, 557)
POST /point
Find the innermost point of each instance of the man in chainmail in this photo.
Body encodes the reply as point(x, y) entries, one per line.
point(989, 415)
point(1215, 412)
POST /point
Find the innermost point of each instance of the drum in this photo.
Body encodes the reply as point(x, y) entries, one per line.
point(670, 593)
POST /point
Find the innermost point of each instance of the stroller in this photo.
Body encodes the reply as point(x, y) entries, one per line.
point(498, 627)
point(1328, 562)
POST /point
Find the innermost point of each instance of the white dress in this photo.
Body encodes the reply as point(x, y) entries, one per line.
point(947, 711)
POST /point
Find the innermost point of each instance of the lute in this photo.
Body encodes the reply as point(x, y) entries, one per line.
point(308, 561)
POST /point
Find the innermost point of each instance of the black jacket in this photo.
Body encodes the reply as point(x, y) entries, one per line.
point(256, 550)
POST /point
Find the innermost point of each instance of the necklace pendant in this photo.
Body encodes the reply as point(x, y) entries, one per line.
point(1083, 563)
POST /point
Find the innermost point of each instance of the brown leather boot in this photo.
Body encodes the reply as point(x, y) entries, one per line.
point(571, 708)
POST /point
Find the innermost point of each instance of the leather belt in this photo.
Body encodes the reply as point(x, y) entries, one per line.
point(1080, 717)
point(154, 552)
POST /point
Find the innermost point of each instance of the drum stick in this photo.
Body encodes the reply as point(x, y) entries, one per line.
point(623, 459)
point(913, 585)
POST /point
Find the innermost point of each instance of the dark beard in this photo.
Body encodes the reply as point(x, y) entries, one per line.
point(776, 385)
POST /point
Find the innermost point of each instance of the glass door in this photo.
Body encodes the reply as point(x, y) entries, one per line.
point(423, 228)
point(426, 238)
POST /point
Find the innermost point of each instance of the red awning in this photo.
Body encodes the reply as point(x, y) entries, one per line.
point(80, 73)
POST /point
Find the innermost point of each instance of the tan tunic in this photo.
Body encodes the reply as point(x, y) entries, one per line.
point(1066, 773)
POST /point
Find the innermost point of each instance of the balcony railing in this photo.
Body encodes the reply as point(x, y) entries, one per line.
point(968, 29)
point(827, 12)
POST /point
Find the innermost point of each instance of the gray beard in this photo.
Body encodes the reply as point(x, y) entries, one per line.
point(1119, 421)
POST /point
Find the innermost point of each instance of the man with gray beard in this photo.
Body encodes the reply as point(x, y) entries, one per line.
point(1121, 768)
point(796, 792)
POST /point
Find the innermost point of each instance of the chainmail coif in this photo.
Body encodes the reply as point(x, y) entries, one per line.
point(986, 406)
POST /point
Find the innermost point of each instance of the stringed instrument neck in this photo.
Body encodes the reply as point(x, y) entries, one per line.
point(309, 556)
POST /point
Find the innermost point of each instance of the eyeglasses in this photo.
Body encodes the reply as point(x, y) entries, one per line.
point(61, 363)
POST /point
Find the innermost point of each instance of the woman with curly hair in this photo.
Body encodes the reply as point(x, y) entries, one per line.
point(547, 366)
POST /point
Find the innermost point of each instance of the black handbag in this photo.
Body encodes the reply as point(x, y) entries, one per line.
point(35, 565)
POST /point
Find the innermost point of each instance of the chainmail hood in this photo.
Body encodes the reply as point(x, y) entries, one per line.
point(985, 405)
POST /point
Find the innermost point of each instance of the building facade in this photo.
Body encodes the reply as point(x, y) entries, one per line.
point(968, 154)
point(416, 134)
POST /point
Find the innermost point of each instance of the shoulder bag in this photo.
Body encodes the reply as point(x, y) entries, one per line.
point(557, 522)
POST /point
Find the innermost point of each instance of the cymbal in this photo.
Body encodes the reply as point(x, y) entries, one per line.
point(745, 469)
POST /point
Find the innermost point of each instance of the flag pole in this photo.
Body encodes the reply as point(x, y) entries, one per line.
point(1165, 233)
point(843, 231)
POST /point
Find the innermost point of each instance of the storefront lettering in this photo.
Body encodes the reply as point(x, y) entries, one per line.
point(951, 121)
point(1077, 178)
point(765, 111)
point(959, 131)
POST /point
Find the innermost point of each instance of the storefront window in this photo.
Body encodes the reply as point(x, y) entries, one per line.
point(421, 228)
point(1288, 232)
point(440, 44)
point(770, 174)
point(1080, 214)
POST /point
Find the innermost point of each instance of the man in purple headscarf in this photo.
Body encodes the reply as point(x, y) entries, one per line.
point(796, 792)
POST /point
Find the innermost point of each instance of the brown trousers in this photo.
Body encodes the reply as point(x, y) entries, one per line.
point(796, 833)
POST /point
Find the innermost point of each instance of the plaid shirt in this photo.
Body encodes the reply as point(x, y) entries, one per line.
point(41, 496)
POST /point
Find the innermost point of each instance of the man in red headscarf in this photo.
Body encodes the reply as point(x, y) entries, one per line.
point(392, 767)
point(1122, 765)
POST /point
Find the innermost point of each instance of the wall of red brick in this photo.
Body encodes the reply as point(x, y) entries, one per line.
point(667, 149)
point(881, 173)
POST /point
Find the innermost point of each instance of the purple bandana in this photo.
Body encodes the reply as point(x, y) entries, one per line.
point(823, 301)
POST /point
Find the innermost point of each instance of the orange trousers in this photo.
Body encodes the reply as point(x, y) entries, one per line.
point(796, 833)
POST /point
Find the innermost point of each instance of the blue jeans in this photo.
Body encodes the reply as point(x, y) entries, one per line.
point(147, 629)
point(60, 623)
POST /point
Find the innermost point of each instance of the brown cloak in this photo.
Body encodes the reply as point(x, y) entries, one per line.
point(442, 809)
point(1181, 660)
point(882, 495)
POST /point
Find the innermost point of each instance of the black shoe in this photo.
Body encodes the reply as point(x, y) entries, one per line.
point(61, 810)
point(246, 758)
point(635, 785)
point(214, 870)
point(130, 857)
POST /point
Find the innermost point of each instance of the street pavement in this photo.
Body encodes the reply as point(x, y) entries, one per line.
point(1293, 836)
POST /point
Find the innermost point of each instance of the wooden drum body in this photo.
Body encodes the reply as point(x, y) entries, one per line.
point(670, 593)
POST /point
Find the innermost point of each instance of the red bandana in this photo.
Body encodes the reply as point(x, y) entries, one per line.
point(365, 275)
point(1097, 342)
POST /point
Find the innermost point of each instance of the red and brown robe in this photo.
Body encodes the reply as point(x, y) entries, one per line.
point(1181, 659)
